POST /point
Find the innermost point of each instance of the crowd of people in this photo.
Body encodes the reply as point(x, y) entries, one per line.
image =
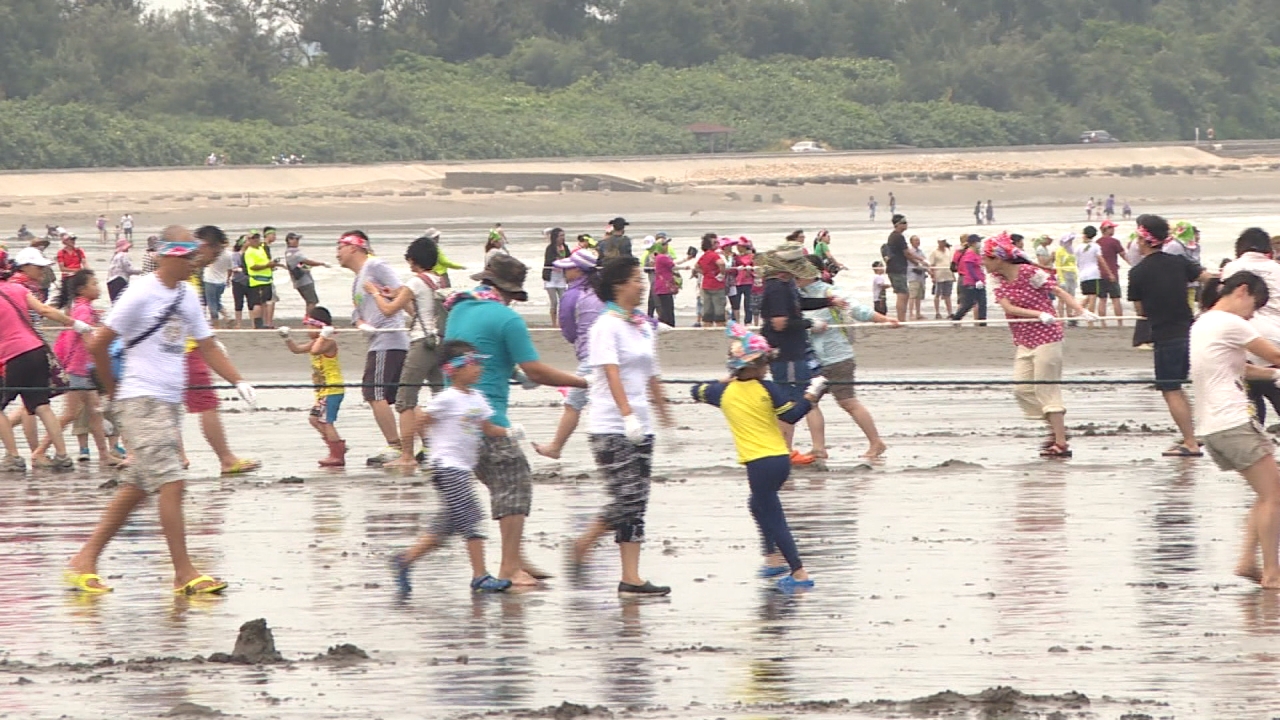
point(439, 364)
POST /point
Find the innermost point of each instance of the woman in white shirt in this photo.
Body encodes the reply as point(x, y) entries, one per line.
point(1088, 258)
point(625, 393)
point(1220, 340)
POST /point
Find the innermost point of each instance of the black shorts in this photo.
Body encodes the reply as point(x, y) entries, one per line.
point(308, 293)
point(1172, 363)
point(1090, 287)
point(259, 295)
point(382, 370)
point(1108, 289)
point(28, 370)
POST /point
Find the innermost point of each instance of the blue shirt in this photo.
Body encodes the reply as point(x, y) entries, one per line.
point(499, 332)
point(832, 345)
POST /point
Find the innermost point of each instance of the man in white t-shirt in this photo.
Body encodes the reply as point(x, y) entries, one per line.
point(1088, 260)
point(1254, 254)
point(1224, 421)
point(153, 319)
point(385, 357)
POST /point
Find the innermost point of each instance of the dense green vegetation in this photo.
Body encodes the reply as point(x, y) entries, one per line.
point(106, 82)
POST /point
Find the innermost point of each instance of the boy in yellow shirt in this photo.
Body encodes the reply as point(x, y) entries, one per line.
point(754, 406)
point(326, 375)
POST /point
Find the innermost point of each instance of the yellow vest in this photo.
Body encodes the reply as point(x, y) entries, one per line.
point(254, 257)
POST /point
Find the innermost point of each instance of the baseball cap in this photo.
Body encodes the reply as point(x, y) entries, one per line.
point(31, 256)
point(505, 273)
point(1107, 224)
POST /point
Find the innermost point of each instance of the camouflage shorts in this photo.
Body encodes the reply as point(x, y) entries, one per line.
point(152, 431)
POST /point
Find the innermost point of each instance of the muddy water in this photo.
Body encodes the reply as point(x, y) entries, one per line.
point(1108, 575)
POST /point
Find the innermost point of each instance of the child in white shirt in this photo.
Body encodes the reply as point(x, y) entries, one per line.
point(457, 417)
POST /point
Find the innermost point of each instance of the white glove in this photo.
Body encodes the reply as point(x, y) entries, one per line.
point(524, 380)
point(516, 433)
point(980, 285)
point(326, 332)
point(81, 327)
point(1275, 377)
point(1088, 316)
point(818, 326)
point(284, 332)
point(248, 394)
point(1048, 318)
point(817, 387)
point(366, 328)
point(633, 429)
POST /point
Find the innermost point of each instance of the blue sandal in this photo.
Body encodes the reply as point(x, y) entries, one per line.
point(489, 583)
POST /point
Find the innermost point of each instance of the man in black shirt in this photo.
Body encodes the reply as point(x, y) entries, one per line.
point(615, 242)
point(896, 264)
point(1158, 290)
point(785, 326)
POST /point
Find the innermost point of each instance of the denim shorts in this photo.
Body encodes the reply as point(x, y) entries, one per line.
point(326, 408)
point(1172, 362)
point(791, 372)
point(577, 398)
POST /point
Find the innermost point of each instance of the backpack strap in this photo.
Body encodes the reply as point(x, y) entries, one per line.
point(160, 321)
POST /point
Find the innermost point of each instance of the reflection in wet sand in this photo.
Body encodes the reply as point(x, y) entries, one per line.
point(1109, 574)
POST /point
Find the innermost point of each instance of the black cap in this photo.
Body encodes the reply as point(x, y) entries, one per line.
point(619, 223)
point(899, 218)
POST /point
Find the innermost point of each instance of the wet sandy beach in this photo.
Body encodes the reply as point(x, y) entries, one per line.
point(961, 563)
point(1099, 586)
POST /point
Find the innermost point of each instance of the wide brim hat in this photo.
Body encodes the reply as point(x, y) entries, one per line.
point(787, 258)
point(507, 274)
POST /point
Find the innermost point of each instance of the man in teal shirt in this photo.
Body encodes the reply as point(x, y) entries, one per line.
point(482, 317)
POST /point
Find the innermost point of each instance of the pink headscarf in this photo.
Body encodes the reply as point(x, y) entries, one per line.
point(1001, 247)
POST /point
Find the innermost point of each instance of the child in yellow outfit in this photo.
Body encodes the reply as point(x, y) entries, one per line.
point(326, 375)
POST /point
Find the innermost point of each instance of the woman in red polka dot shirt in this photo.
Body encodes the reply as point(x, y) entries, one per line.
point(1027, 291)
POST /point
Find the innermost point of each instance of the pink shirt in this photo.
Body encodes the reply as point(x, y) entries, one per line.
point(16, 335)
point(664, 274)
point(1031, 290)
point(70, 348)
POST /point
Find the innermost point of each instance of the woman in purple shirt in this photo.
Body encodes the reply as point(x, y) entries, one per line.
point(579, 308)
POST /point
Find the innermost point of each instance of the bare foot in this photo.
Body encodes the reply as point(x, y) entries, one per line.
point(546, 451)
point(401, 462)
point(1249, 572)
point(1271, 582)
point(876, 451)
point(524, 579)
point(819, 454)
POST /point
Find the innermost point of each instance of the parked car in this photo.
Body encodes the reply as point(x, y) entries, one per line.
point(1097, 136)
point(807, 146)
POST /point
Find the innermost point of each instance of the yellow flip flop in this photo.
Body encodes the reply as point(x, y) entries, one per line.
point(80, 582)
point(242, 466)
point(214, 587)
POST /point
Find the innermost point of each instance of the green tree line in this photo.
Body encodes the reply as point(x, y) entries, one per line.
point(109, 82)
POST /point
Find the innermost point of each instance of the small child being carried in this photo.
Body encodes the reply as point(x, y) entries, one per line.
point(326, 376)
point(754, 406)
point(457, 417)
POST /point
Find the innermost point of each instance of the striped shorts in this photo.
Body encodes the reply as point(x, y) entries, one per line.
point(460, 512)
point(626, 467)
